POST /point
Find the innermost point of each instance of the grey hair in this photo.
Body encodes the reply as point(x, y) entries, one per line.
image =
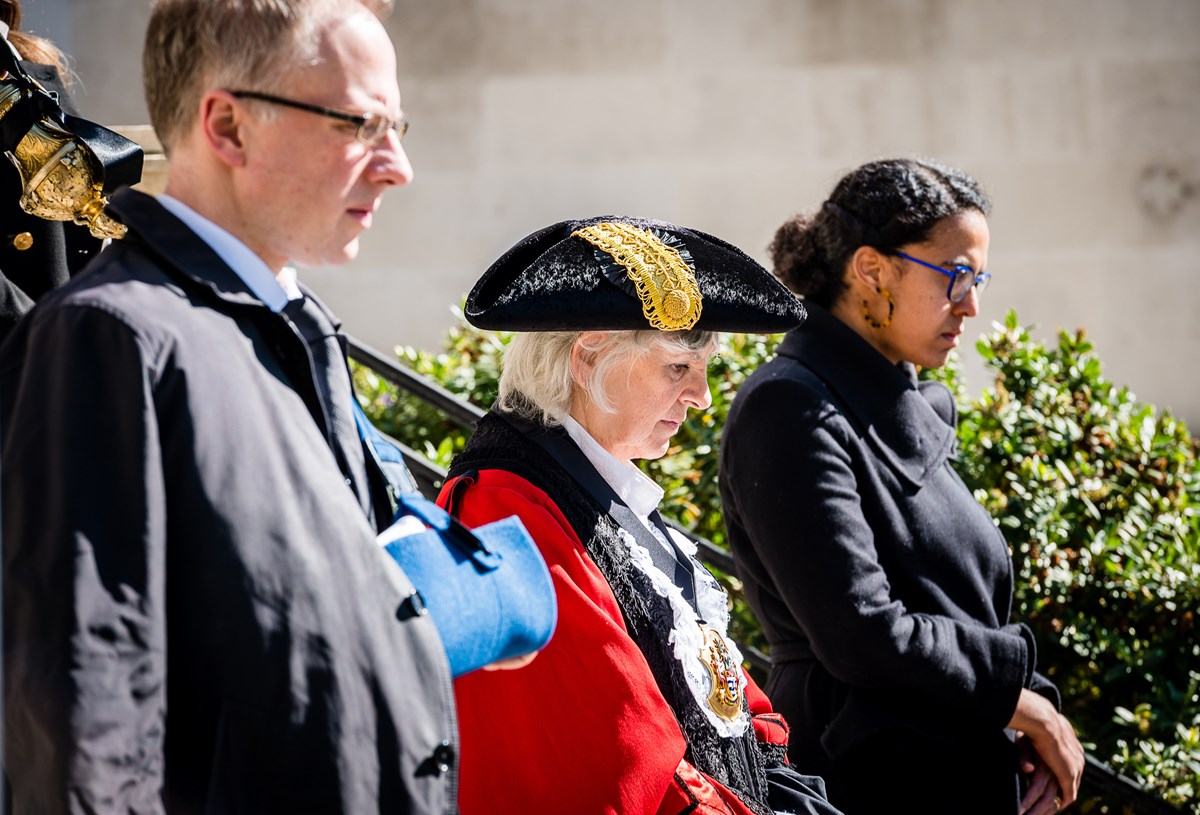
point(193, 46)
point(536, 380)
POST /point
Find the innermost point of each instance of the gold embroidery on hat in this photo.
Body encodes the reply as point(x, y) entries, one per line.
point(665, 284)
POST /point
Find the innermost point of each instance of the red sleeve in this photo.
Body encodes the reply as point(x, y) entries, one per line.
point(693, 793)
point(769, 727)
point(581, 728)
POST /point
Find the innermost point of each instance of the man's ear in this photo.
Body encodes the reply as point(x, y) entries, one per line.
point(223, 121)
point(868, 266)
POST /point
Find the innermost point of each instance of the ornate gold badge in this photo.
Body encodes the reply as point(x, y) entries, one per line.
point(61, 179)
point(725, 693)
point(660, 273)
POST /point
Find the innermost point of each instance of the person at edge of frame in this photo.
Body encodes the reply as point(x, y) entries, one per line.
point(197, 615)
point(884, 588)
point(36, 255)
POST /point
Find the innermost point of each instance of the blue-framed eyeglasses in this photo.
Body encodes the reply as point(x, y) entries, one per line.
point(962, 278)
point(372, 127)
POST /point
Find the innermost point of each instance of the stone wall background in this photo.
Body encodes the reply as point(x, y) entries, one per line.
point(1081, 117)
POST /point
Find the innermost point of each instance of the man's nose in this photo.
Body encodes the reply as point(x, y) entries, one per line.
point(390, 164)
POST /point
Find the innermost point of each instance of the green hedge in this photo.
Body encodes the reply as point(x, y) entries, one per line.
point(1097, 494)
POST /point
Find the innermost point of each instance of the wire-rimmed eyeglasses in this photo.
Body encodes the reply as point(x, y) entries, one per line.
point(372, 127)
point(962, 278)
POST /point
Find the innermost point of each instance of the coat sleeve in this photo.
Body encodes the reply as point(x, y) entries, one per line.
point(84, 531)
point(791, 477)
point(14, 304)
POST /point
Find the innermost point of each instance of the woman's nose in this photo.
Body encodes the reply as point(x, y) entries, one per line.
point(969, 305)
point(697, 394)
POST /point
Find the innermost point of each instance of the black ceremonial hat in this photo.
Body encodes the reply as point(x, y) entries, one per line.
point(615, 272)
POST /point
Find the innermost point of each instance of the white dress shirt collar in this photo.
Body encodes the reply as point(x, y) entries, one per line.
point(635, 488)
point(274, 292)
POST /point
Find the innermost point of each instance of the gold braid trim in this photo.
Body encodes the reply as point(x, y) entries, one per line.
point(665, 284)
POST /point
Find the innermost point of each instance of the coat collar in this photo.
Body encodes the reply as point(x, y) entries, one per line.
point(910, 425)
point(193, 264)
point(181, 251)
point(189, 256)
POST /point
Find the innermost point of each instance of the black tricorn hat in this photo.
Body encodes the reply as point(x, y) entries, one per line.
point(616, 272)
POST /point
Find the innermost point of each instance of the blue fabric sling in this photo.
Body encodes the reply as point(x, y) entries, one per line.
point(487, 589)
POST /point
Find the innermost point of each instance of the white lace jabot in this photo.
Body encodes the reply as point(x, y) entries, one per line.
point(643, 496)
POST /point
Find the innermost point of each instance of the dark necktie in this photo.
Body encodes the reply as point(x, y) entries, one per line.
point(333, 383)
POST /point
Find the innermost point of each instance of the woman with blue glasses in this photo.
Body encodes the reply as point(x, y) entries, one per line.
point(882, 585)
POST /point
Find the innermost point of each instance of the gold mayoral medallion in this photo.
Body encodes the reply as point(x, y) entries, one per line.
point(724, 693)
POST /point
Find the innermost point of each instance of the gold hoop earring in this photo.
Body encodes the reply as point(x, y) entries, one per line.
point(866, 310)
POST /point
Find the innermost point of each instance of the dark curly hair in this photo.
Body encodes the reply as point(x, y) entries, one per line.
point(883, 204)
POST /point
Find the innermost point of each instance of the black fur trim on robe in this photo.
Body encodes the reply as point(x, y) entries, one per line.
point(738, 763)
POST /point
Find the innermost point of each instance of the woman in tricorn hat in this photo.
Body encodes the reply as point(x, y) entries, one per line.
point(639, 704)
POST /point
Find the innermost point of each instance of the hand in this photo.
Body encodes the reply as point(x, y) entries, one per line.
point(512, 663)
point(1053, 739)
point(1041, 794)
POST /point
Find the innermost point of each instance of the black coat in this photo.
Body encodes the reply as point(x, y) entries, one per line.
point(197, 616)
point(58, 249)
point(883, 586)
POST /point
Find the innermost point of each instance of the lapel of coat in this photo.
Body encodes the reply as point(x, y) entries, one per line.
point(200, 272)
point(910, 426)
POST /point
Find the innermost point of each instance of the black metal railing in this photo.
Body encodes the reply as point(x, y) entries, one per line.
point(1097, 775)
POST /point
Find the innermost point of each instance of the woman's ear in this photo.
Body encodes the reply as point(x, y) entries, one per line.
point(581, 358)
point(868, 267)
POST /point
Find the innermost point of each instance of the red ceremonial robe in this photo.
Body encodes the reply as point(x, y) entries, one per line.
point(583, 728)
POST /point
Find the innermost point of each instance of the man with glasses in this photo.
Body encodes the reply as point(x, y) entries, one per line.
point(198, 617)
